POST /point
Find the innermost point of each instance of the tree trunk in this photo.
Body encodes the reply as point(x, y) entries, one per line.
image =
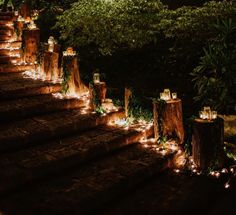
point(207, 143)
point(76, 86)
point(50, 65)
point(172, 120)
point(31, 44)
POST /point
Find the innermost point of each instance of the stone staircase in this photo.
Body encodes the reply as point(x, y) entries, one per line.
point(57, 157)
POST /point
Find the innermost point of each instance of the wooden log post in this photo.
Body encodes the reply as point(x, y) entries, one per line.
point(155, 121)
point(31, 39)
point(50, 65)
point(75, 84)
point(207, 143)
point(172, 120)
point(100, 91)
point(128, 93)
point(97, 94)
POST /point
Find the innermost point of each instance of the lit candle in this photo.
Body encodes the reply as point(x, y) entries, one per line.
point(162, 96)
point(32, 25)
point(96, 78)
point(174, 95)
point(51, 43)
point(214, 114)
point(16, 13)
point(69, 52)
point(167, 94)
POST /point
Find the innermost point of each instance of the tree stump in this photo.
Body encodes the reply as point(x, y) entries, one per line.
point(31, 44)
point(50, 65)
point(97, 94)
point(172, 120)
point(100, 91)
point(71, 69)
point(207, 143)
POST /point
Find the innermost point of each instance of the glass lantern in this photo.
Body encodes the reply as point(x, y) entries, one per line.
point(96, 78)
point(174, 95)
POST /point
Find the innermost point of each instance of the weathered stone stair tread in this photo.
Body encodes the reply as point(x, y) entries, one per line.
point(5, 22)
point(92, 186)
point(31, 106)
point(26, 87)
point(8, 59)
point(6, 13)
point(9, 68)
point(7, 17)
point(4, 38)
point(16, 44)
point(37, 130)
point(4, 52)
point(52, 157)
point(6, 32)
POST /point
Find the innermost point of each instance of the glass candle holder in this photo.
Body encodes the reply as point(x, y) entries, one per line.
point(162, 96)
point(214, 114)
point(167, 94)
point(174, 95)
point(51, 47)
point(96, 78)
point(16, 13)
point(32, 25)
point(206, 108)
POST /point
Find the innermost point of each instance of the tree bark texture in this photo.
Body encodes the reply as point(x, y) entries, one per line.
point(172, 120)
point(207, 143)
point(31, 44)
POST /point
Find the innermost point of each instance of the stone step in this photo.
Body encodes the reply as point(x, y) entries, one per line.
point(6, 23)
point(19, 88)
point(7, 18)
point(5, 38)
point(7, 52)
point(36, 105)
point(53, 157)
point(9, 68)
point(8, 32)
point(10, 59)
point(4, 45)
point(86, 190)
point(6, 13)
point(37, 130)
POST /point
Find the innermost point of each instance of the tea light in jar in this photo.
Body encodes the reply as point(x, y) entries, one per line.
point(167, 94)
point(162, 96)
point(214, 114)
point(16, 13)
point(174, 95)
point(96, 78)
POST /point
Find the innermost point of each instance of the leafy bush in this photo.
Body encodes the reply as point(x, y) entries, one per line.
point(215, 78)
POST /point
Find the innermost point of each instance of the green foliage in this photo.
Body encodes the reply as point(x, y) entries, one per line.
point(138, 109)
point(110, 25)
point(215, 78)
